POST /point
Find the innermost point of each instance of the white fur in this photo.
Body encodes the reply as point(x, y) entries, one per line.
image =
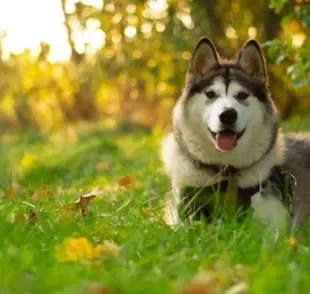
point(248, 116)
point(269, 210)
point(193, 119)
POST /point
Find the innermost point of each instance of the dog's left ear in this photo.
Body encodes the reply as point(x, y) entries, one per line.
point(252, 61)
point(203, 59)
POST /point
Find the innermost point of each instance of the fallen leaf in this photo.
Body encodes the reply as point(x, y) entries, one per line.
point(21, 218)
point(98, 288)
point(293, 242)
point(83, 201)
point(203, 283)
point(148, 210)
point(108, 248)
point(11, 191)
point(75, 249)
point(126, 181)
point(220, 277)
point(32, 217)
point(42, 193)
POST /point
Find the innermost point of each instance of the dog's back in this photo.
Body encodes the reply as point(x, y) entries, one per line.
point(297, 162)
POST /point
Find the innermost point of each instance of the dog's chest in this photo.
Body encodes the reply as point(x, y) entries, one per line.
point(226, 196)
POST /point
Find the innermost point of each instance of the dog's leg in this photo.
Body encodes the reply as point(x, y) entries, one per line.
point(270, 210)
point(171, 215)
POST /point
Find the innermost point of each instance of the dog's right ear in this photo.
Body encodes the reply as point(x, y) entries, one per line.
point(203, 59)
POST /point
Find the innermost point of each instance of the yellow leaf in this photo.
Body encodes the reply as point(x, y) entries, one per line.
point(293, 242)
point(29, 160)
point(76, 249)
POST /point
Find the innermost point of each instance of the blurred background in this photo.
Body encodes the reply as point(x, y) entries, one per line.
point(123, 62)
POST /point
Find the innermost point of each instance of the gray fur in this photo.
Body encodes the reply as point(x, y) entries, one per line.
point(189, 152)
point(297, 162)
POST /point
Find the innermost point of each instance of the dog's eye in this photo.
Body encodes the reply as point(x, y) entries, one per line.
point(242, 96)
point(210, 94)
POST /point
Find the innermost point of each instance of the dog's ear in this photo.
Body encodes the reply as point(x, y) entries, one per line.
point(252, 61)
point(203, 59)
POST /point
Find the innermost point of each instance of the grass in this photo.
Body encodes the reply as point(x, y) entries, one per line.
point(153, 258)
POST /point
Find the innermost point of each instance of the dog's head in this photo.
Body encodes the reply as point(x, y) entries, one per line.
point(228, 100)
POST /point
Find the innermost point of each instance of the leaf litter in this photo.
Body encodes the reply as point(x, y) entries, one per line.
point(221, 278)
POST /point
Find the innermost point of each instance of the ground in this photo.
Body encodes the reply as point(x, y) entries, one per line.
point(48, 246)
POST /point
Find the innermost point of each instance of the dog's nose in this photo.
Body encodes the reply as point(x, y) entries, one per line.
point(228, 116)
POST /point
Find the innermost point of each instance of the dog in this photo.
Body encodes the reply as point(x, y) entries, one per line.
point(226, 133)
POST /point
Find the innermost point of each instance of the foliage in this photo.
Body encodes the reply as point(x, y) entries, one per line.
point(293, 47)
point(138, 69)
point(122, 245)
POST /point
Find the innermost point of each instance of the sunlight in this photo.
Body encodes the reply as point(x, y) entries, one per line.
point(130, 31)
point(252, 32)
point(298, 40)
point(231, 33)
point(43, 22)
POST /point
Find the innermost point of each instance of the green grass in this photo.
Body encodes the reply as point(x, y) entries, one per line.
point(153, 258)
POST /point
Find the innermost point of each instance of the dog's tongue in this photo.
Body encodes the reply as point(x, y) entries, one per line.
point(226, 140)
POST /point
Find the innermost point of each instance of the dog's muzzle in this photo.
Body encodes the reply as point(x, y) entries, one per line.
point(226, 139)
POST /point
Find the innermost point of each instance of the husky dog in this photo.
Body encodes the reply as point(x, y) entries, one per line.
point(225, 128)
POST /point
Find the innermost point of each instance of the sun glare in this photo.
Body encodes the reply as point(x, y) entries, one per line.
point(43, 22)
point(298, 40)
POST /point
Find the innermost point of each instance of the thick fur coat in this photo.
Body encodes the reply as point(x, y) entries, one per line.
point(225, 117)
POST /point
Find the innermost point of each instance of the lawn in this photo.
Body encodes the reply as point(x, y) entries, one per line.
point(48, 246)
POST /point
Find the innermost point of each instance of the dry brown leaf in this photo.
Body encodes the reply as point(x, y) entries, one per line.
point(21, 218)
point(11, 192)
point(42, 193)
point(32, 217)
point(108, 248)
point(220, 277)
point(126, 181)
point(83, 201)
point(148, 210)
point(97, 288)
point(203, 283)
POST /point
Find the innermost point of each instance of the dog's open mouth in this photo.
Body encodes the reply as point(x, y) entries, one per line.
point(227, 139)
